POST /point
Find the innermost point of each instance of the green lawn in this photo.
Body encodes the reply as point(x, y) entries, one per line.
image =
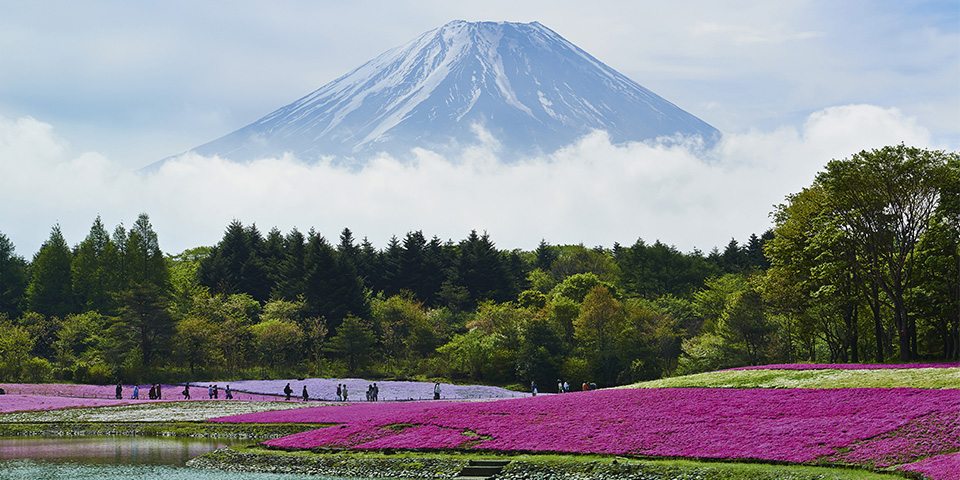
point(934, 378)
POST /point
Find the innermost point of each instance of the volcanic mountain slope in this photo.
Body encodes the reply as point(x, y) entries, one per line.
point(519, 87)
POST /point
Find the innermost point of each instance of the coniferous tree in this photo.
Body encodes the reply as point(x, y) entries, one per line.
point(118, 262)
point(291, 272)
point(546, 254)
point(354, 342)
point(733, 259)
point(145, 323)
point(347, 247)
point(419, 269)
point(145, 259)
point(390, 283)
point(255, 273)
point(368, 264)
point(13, 279)
point(50, 292)
point(333, 289)
point(274, 251)
point(236, 264)
point(480, 269)
point(91, 270)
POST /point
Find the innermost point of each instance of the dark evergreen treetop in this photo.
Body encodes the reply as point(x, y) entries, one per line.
point(13, 279)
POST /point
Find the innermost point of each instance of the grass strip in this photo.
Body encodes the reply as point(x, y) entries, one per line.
point(406, 464)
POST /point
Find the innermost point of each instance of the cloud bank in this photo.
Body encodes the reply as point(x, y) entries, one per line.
point(591, 192)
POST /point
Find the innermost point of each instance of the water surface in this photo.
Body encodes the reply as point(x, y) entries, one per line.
point(116, 458)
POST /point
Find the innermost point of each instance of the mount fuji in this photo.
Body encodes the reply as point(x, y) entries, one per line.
point(519, 87)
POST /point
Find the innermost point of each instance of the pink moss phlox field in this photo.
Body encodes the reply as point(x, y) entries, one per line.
point(845, 366)
point(927, 435)
point(799, 425)
point(21, 397)
point(941, 467)
point(25, 403)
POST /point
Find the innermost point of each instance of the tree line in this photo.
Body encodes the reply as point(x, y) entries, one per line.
point(862, 265)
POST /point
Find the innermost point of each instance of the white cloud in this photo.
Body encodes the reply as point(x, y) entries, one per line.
point(590, 192)
point(741, 35)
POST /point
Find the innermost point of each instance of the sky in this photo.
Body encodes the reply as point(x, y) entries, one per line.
point(92, 91)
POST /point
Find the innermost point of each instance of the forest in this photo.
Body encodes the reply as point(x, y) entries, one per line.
point(863, 265)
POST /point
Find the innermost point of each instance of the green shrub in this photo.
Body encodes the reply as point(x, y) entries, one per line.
point(37, 370)
point(95, 373)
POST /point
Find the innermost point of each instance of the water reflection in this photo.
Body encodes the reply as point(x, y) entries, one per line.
point(117, 458)
point(117, 450)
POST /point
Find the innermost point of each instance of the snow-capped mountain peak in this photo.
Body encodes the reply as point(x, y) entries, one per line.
point(524, 84)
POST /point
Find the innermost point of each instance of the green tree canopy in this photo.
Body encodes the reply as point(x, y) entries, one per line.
point(884, 200)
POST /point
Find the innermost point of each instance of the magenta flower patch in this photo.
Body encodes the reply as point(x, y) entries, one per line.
point(941, 467)
point(800, 426)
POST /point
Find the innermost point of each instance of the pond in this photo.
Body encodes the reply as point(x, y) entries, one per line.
point(115, 458)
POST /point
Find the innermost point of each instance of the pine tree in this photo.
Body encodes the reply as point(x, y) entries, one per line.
point(419, 268)
point(353, 342)
point(144, 323)
point(145, 260)
point(92, 285)
point(13, 279)
point(237, 264)
point(333, 289)
point(480, 269)
point(291, 272)
point(50, 291)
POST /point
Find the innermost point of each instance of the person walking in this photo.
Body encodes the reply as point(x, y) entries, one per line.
point(345, 395)
point(436, 391)
point(159, 395)
point(533, 387)
point(376, 392)
point(209, 392)
point(339, 392)
point(119, 391)
point(186, 391)
point(136, 392)
point(287, 391)
point(216, 391)
point(306, 396)
point(229, 395)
